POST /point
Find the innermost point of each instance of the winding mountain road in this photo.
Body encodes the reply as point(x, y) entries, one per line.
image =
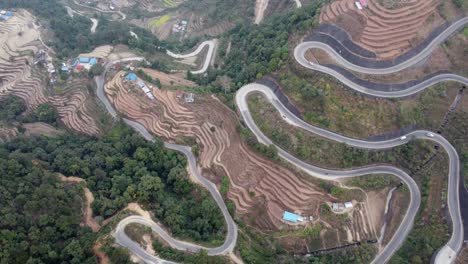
point(447, 254)
point(208, 59)
point(450, 249)
point(72, 13)
point(373, 88)
point(119, 233)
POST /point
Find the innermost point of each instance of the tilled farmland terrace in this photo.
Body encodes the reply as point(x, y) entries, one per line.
point(260, 189)
point(20, 76)
point(387, 32)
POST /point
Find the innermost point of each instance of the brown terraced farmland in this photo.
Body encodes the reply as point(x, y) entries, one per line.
point(261, 189)
point(387, 32)
point(20, 76)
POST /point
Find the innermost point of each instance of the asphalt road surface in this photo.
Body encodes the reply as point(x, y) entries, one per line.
point(209, 56)
point(119, 234)
point(448, 253)
point(445, 255)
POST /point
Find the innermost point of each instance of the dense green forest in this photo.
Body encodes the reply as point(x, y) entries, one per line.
point(122, 167)
point(41, 215)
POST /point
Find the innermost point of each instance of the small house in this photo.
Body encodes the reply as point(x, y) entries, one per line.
point(358, 5)
point(84, 60)
point(290, 217)
point(189, 98)
point(348, 205)
point(363, 3)
point(92, 61)
point(131, 77)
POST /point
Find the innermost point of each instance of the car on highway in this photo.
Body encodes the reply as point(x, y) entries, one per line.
point(403, 138)
point(429, 134)
point(311, 63)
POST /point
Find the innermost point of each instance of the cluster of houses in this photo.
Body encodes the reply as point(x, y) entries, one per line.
point(5, 15)
point(361, 4)
point(133, 78)
point(180, 27)
point(84, 63)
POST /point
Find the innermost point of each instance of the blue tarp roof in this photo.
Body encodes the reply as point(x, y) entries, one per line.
point(131, 77)
point(64, 68)
point(4, 17)
point(291, 217)
point(9, 13)
point(84, 60)
point(93, 61)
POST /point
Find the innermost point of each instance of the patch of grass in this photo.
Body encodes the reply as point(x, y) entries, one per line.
point(159, 21)
point(169, 3)
point(373, 182)
point(224, 185)
point(465, 32)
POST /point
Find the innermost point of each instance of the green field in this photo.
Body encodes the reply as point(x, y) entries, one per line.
point(169, 3)
point(159, 21)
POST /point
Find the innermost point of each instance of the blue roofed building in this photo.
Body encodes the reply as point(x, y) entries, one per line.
point(84, 60)
point(294, 218)
point(131, 77)
point(93, 61)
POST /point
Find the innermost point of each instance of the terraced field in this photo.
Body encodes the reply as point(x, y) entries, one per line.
point(261, 189)
point(387, 32)
point(21, 77)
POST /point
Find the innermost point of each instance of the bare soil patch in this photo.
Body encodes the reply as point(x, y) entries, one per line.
point(177, 79)
point(39, 128)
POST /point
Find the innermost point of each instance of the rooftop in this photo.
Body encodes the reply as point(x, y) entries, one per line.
point(287, 216)
point(131, 77)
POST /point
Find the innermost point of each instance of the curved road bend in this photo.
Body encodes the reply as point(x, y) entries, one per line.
point(95, 22)
point(300, 50)
point(449, 251)
point(208, 59)
point(119, 234)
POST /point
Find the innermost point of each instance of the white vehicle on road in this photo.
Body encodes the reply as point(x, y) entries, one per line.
point(403, 138)
point(429, 134)
point(311, 63)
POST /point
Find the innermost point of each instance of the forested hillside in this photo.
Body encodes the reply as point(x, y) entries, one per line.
point(41, 215)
